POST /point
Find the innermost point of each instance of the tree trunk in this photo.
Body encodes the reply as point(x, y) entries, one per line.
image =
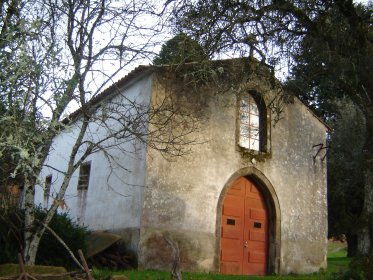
point(351, 244)
point(29, 252)
point(32, 232)
point(175, 270)
point(32, 247)
point(365, 236)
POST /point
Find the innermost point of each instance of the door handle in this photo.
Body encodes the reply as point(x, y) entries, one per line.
point(245, 244)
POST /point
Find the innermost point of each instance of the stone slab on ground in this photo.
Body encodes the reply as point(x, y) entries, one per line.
point(118, 277)
point(50, 272)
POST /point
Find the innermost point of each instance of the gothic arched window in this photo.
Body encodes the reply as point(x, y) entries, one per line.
point(252, 123)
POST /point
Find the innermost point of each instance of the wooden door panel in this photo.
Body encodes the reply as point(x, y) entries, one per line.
point(230, 252)
point(233, 206)
point(257, 246)
point(244, 235)
point(257, 224)
point(257, 236)
point(255, 269)
point(254, 202)
point(238, 188)
point(251, 194)
point(233, 211)
point(230, 268)
point(253, 189)
point(257, 214)
point(256, 257)
point(232, 227)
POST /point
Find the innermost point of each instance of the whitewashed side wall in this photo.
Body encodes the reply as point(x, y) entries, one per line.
point(115, 193)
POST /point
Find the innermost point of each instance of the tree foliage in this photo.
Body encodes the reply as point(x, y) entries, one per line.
point(336, 66)
point(180, 49)
point(345, 172)
point(327, 75)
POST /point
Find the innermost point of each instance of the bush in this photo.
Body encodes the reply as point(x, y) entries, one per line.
point(348, 275)
point(361, 268)
point(11, 236)
point(50, 252)
point(363, 264)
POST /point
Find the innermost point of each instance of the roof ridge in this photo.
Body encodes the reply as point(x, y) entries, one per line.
point(108, 91)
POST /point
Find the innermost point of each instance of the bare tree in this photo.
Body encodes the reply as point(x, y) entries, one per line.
point(56, 53)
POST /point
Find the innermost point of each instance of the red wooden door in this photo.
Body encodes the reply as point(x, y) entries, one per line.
point(244, 233)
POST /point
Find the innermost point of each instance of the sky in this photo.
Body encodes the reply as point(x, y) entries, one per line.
point(161, 37)
point(362, 1)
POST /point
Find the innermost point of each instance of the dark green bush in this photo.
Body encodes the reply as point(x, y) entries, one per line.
point(348, 275)
point(361, 268)
point(363, 264)
point(11, 236)
point(50, 252)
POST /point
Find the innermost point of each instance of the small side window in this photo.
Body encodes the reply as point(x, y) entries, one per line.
point(47, 190)
point(83, 183)
point(85, 170)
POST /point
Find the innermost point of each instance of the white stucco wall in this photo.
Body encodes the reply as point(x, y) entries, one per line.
point(115, 192)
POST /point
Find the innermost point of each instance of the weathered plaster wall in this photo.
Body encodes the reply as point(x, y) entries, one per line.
point(300, 182)
point(115, 195)
point(181, 196)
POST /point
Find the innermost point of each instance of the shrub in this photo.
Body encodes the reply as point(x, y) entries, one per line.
point(11, 234)
point(50, 252)
point(361, 268)
point(363, 264)
point(348, 275)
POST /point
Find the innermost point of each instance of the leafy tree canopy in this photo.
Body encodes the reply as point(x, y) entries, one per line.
point(180, 49)
point(329, 72)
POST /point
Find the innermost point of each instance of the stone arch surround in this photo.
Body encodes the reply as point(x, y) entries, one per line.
point(273, 205)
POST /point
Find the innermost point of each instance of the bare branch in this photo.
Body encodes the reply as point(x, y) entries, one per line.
point(59, 239)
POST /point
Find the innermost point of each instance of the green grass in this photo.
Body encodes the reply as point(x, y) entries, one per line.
point(337, 262)
point(337, 250)
point(162, 275)
point(337, 257)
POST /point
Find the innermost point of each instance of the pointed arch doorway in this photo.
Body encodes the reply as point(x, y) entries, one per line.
point(248, 221)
